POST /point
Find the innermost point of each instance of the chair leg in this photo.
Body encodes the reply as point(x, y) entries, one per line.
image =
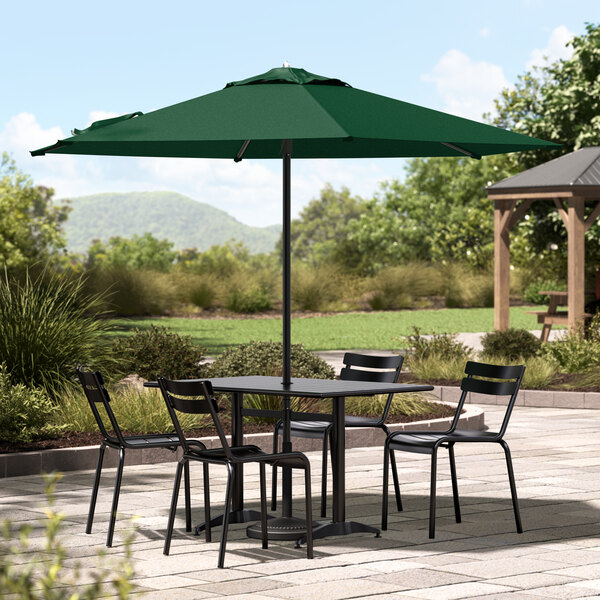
point(115, 502)
point(308, 500)
point(175, 496)
point(88, 528)
point(324, 478)
point(274, 480)
point(386, 480)
point(394, 474)
point(263, 506)
point(226, 516)
point(432, 494)
point(188, 500)
point(513, 487)
point(207, 527)
point(454, 483)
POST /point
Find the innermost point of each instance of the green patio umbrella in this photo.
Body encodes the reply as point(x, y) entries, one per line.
point(290, 112)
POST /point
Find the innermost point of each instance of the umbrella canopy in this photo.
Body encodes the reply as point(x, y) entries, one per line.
point(325, 118)
point(290, 112)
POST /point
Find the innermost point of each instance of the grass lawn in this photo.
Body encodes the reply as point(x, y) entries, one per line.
point(377, 330)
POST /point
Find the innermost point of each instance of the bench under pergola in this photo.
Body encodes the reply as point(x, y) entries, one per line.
point(570, 181)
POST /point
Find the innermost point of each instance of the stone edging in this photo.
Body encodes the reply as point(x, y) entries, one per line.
point(535, 398)
point(86, 457)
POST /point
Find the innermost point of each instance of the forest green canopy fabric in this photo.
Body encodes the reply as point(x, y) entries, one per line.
point(324, 118)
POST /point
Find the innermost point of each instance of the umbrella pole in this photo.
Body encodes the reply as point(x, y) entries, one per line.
point(286, 149)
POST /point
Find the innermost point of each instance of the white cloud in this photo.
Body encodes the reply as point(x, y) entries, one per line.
point(467, 87)
point(554, 50)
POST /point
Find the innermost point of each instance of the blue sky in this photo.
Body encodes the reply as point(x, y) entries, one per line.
point(67, 63)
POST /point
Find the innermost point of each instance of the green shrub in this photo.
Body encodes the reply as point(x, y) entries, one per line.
point(250, 300)
point(531, 292)
point(433, 367)
point(202, 295)
point(25, 413)
point(45, 576)
point(134, 292)
point(48, 325)
point(158, 351)
point(443, 345)
point(511, 344)
point(397, 287)
point(573, 353)
point(266, 358)
point(463, 288)
point(411, 405)
point(314, 288)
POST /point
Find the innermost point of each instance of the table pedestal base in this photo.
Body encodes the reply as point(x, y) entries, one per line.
point(235, 516)
point(339, 528)
point(281, 529)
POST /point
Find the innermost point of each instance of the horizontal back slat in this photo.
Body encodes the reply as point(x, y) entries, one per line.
point(372, 362)
point(90, 380)
point(494, 371)
point(196, 406)
point(496, 388)
point(358, 375)
point(187, 388)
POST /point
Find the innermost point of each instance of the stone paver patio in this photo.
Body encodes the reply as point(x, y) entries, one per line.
point(557, 466)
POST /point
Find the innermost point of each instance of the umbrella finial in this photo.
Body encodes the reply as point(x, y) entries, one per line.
point(286, 64)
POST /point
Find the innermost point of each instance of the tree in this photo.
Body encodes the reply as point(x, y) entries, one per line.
point(323, 225)
point(30, 225)
point(441, 212)
point(558, 102)
point(138, 252)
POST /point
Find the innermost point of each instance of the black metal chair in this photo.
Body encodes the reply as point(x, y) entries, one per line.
point(196, 397)
point(390, 367)
point(479, 375)
point(97, 395)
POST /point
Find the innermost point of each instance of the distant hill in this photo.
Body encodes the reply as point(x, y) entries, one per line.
point(181, 220)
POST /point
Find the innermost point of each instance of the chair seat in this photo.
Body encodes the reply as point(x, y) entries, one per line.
point(152, 440)
point(423, 442)
point(293, 459)
point(317, 429)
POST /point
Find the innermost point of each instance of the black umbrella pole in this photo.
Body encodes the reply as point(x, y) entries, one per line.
point(286, 239)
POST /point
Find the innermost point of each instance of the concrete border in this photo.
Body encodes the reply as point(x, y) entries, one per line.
point(533, 398)
point(85, 457)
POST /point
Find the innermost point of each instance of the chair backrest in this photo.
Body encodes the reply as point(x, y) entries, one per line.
point(389, 368)
point(495, 380)
point(97, 394)
point(192, 397)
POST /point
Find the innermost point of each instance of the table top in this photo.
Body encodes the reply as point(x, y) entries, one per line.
point(556, 294)
point(310, 388)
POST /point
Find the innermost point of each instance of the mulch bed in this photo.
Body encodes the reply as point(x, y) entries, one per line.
point(74, 439)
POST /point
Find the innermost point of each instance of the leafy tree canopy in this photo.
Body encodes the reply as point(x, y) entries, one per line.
point(30, 225)
point(138, 252)
point(316, 236)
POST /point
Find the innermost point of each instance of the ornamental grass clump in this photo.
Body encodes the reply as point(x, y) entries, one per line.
point(48, 325)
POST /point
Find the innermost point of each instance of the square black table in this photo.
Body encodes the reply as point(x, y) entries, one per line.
point(287, 527)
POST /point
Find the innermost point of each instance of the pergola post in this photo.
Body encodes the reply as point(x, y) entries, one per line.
point(502, 211)
point(576, 261)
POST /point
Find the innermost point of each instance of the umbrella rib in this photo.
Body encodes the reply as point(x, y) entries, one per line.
point(462, 150)
point(240, 154)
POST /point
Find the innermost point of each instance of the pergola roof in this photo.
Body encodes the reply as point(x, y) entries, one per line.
point(578, 171)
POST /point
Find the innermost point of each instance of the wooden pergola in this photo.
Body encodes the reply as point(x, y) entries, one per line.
point(569, 181)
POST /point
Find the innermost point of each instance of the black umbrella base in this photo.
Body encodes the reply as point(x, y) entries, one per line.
point(291, 528)
point(236, 516)
point(281, 529)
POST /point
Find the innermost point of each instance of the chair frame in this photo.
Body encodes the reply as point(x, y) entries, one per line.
point(97, 394)
point(177, 395)
point(317, 429)
point(428, 442)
